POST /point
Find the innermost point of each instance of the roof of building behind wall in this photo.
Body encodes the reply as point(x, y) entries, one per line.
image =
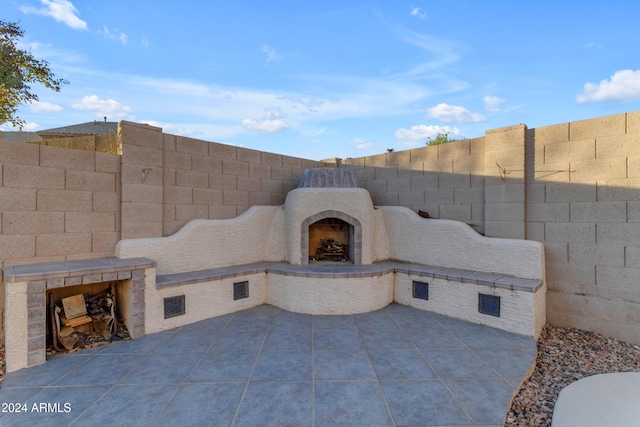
point(89, 128)
point(15, 136)
point(95, 127)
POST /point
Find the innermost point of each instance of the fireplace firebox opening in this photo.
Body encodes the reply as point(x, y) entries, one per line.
point(338, 229)
point(330, 240)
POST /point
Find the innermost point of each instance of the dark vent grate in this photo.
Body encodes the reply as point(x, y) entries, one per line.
point(421, 290)
point(240, 290)
point(174, 306)
point(489, 304)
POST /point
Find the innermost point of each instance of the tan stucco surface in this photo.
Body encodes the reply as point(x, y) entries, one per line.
point(454, 244)
point(330, 295)
point(302, 203)
point(203, 244)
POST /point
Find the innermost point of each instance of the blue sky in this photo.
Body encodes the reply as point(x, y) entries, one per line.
point(331, 78)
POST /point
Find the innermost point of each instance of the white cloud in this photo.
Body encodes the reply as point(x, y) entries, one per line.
point(361, 144)
point(26, 127)
point(45, 107)
point(271, 53)
point(415, 11)
point(117, 35)
point(103, 107)
point(493, 103)
point(60, 10)
point(453, 114)
point(444, 53)
point(226, 107)
point(271, 121)
point(198, 130)
point(623, 86)
point(420, 133)
point(172, 128)
point(267, 125)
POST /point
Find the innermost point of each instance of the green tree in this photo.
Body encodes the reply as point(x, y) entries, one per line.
point(440, 138)
point(19, 69)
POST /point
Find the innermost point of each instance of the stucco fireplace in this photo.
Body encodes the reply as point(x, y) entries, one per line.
point(339, 226)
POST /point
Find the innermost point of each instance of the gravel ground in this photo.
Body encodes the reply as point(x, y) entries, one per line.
point(565, 355)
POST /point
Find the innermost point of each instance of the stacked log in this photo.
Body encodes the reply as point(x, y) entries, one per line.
point(99, 328)
point(330, 250)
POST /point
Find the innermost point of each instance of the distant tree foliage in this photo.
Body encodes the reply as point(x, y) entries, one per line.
point(440, 138)
point(18, 69)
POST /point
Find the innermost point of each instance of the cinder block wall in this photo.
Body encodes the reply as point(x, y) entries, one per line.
point(57, 203)
point(168, 180)
point(583, 203)
point(447, 181)
point(574, 187)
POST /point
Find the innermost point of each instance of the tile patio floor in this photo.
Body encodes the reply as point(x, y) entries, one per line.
point(264, 366)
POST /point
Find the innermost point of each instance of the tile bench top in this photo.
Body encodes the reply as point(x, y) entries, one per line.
point(351, 271)
point(63, 269)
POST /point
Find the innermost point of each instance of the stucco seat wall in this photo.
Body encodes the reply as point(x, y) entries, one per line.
point(454, 244)
point(203, 300)
point(203, 244)
point(310, 295)
point(349, 289)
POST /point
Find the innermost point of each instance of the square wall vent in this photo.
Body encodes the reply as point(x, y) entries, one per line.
point(489, 304)
point(174, 306)
point(421, 290)
point(240, 290)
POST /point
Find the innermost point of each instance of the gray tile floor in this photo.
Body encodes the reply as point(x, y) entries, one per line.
point(268, 367)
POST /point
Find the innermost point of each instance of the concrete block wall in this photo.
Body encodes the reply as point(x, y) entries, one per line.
point(582, 202)
point(447, 180)
point(142, 180)
point(206, 180)
point(504, 187)
point(57, 203)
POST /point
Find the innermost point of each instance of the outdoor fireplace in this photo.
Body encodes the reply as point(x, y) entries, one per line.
point(208, 270)
point(327, 217)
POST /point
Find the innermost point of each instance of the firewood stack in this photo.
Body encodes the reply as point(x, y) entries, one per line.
point(97, 304)
point(330, 250)
point(86, 321)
